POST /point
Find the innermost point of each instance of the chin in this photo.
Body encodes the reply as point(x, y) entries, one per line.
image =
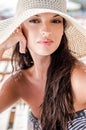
point(45, 53)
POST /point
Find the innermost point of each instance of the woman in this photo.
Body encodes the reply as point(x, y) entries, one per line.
point(47, 44)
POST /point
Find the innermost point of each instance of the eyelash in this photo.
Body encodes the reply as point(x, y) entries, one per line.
point(38, 21)
point(34, 21)
point(56, 21)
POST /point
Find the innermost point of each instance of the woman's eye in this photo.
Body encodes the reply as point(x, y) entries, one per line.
point(56, 21)
point(34, 21)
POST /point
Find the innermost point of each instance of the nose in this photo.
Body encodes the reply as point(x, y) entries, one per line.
point(45, 31)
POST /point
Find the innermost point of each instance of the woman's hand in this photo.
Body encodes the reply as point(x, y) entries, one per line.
point(16, 36)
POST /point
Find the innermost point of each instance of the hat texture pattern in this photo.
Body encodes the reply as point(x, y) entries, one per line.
point(46, 4)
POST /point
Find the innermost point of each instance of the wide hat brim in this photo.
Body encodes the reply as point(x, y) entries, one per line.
point(76, 34)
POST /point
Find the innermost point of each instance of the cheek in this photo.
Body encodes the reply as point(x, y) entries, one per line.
point(58, 29)
point(58, 34)
point(32, 33)
point(31, 37)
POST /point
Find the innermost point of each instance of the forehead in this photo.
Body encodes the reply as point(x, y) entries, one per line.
point(46, 15)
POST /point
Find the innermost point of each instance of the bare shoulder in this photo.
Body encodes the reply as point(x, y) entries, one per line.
point(78, 82)
point(78, 76)
point(9, 92)
point(12, 81)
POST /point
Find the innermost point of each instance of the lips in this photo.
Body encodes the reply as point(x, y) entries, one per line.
point(45, 42)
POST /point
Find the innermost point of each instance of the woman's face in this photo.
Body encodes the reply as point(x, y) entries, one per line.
point(43, 32)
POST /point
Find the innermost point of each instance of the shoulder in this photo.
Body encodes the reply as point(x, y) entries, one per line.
point(78, 81)
point(9, 92)
point(12, 81)
point(78, 76)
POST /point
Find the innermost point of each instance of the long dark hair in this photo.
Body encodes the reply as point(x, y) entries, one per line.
point(58, 99)
point(21, 61)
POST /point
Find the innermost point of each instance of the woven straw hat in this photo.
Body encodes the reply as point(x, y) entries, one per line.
point(75, 33)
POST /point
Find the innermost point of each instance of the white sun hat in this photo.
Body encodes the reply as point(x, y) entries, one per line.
point(76, 34)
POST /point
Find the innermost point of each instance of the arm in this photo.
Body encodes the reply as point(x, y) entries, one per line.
point(15, 37)
point(8, 94)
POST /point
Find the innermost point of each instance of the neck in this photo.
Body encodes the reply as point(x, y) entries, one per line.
point(41, 64)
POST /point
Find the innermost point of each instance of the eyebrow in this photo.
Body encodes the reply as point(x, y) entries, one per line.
point(53, 16)
point(56, 15)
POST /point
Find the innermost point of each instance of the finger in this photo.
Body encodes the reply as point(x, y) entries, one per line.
point(21, 39)
point(22, 47)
